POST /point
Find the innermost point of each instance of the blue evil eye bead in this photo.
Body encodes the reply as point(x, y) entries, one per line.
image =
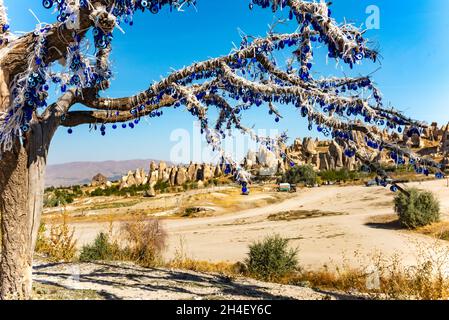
point(70, 131)
point(131, 125)
point(304, 112)
point(154, 8)
point(394, 188)
point(227, 169)
point(25, 128)
point(349, 153)
point(244, 189)
point(123, 125)
point(439, 175)
point(47, 4)
point(114, 126)
point(277, 119)
point(103, 133)
point(359, 56)
point(144, 3)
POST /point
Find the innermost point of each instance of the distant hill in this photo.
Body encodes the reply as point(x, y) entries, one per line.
point(74, 173)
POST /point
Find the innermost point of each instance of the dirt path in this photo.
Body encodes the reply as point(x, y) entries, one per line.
point(127, 281)
point(325, 240)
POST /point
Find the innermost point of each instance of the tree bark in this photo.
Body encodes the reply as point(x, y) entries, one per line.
point(21, 201)
point(22, 172)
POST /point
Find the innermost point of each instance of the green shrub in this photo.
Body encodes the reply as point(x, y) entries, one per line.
point(101, 249)
point(58, 197)
point(271, 259)
point(338, 175)
point(144, 242)
point(417, 208)
point(300, 174)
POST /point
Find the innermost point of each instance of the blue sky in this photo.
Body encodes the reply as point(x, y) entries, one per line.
point(413, 76)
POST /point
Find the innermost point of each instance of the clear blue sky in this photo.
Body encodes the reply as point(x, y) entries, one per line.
point(413, 40)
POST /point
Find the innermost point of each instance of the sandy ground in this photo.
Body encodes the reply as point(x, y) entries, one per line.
point(329, 240)
point(126, 281)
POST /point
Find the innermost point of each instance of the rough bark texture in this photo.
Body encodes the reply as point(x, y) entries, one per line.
point(21, 195)
point(16, 258)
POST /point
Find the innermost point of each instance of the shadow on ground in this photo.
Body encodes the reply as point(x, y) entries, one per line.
point(117, 281)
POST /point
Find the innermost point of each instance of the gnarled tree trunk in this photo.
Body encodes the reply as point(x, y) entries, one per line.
point(21, 194)
point(22, 173)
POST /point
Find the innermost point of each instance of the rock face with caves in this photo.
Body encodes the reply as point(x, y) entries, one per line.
point(329, 155)
point(174, 175)
point(322, 155)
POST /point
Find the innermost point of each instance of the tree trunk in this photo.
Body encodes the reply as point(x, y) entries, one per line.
point(22, 172)
point(21, 197)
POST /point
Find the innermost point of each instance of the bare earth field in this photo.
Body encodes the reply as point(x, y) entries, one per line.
point(329, 225)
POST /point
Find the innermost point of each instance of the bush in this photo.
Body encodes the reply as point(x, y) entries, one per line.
point(339, 175)
point(271, 259)
point(146, 240)
point(58, 197)
point(101, 249)
point(300, 174)
point(417, 208)
point(59, 245)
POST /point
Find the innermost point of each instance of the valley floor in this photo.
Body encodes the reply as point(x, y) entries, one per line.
point(342, 232)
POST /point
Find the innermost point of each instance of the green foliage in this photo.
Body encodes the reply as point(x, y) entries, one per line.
point(101, 249)
point(340, 175)
point(59, 197)
point(417, 208)
point(300, 174)
point(271, 259)
point(116, 191)
point(144, 239)
point(162, 186)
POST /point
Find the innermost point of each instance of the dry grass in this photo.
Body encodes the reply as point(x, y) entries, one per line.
point(59, 244)
point(42, 291)
point(438, 230)
point(141, 241)
point(386, 277)
point(301, 214)
point(182, 261)
point(145, 241)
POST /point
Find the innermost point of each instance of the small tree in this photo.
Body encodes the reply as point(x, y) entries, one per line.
point(417, 208)
point(302, 174)
point(271, 258)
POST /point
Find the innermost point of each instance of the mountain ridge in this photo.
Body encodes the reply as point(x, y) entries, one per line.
point(81, 172)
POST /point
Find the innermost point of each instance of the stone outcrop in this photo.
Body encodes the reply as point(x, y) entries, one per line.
point(99, 180)
point(322, 155)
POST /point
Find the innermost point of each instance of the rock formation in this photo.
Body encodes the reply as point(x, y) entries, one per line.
point(98, 180)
